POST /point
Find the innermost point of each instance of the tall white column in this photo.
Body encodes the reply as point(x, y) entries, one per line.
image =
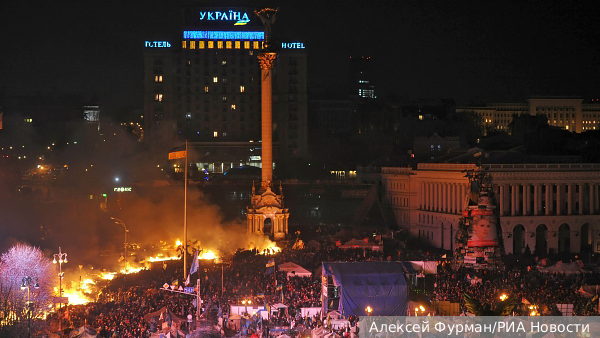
point(581, 186)
point(559, 190)
point(444, 197)
point(548, 188)
point(570, 200)
point(591, 187)
point(525, 195)
point(536, 199)
point(501, 200)
point(513, 199)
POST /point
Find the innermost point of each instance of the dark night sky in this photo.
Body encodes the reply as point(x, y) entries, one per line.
point(469, 51)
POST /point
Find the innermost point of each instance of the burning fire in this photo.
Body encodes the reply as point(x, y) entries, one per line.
point(208, 255)
point(161, 258)
point(271, 250)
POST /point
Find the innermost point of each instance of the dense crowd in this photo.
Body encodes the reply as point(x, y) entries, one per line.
point(122, 306)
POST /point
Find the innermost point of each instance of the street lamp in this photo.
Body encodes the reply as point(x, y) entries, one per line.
point(246, 303)
point(118, 221)
point(369, 310)
point(419, 308)
point(60, 258)
point(503, 297)
point(26, 284)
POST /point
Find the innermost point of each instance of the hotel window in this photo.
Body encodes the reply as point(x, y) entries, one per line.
point(215, 79)
point(233, 107)
point(255, 45)
point(211, 44)
point(200, 44)
point(237, 45)
point(224, 98)
point(228, 44)
point(219, 44)
point(192, 44)
point(157, 78)
point(206, 89)
point(224, 81)
point(246, 44)
point(184, 44)
point(158, 97)
point(223, 63)
point(215, 133)
point(242, 89)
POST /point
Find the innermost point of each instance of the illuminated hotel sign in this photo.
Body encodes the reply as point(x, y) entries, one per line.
point(292, 45)
point(122, 189)
point(157, 44)
point(240, 18)
point(223, 35)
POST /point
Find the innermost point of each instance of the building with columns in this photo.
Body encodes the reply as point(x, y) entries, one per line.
point(549, 207)
point(568, 113)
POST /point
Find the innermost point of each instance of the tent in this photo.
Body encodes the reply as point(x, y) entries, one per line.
point(566, 268)
point(361, 244)
point(380, 285)
point(294, 269)
point(163, 315)
point(83, 332)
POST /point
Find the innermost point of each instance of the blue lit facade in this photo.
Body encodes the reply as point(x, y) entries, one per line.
point(206, 86)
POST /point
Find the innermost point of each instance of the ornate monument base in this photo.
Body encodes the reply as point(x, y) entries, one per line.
point(267, 216)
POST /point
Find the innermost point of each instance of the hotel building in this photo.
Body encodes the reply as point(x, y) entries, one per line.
point(204, 85)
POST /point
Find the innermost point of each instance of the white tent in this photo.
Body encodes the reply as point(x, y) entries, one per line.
point(566, 268)
point(294, 269)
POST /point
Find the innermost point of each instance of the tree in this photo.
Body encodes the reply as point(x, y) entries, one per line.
point(19, 262)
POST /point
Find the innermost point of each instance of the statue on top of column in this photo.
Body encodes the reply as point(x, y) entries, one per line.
point(267, 16)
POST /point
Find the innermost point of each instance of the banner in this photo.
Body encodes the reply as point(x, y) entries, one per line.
point(270, 266)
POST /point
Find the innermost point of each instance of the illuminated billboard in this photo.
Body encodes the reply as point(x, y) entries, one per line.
point(224, 35)
point(223, 17)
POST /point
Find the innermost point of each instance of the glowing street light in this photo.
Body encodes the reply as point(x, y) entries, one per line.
point(118, 221)
point(369, 310)
point(419, 308)
point(27, 280)
point(503, 297)
point(246, 303)
point(60, 258)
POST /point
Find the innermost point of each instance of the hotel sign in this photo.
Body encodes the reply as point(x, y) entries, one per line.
point(292, 45)
point(157, 44)
point(240, 18)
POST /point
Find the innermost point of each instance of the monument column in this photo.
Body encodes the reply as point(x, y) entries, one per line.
point(266, 61)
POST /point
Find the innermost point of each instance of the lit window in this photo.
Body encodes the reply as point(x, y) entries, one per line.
point(246, 44)
point(206, 89)
point(233, 107)
point(158, 97)
point(224, 98)
point(567, 127)
point(200, 44)
point(215, 79)
point(223, 63)
point(220, 44)
point(228, 44)
point(224, 134)
point(256, 45)
point(242, 89)
point(420, 117)
point(211, 44)
point(224, 81)
point(184, 44)
point(157, 78)
point(237, 45)
point(192, 44)
point(215, 133)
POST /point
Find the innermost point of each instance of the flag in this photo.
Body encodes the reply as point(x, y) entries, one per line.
point(187, 280)
point(194, 266)
point(270, 266)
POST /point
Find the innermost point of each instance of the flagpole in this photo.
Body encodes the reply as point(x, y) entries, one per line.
point(185, 211)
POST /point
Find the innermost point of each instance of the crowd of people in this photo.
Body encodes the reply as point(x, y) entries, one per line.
point(122, 306)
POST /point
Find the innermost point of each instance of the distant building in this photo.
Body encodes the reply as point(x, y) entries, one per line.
point(362, 82)
point(550, 207)
point(434, 146)
point(569, 113)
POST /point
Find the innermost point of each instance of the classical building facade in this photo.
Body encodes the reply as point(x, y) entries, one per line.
point(547, 207)
point(569, 113)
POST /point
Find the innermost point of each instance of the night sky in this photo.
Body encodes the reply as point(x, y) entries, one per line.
point(469, 51)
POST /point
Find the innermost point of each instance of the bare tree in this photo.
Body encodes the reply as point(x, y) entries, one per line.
point(20, 262)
